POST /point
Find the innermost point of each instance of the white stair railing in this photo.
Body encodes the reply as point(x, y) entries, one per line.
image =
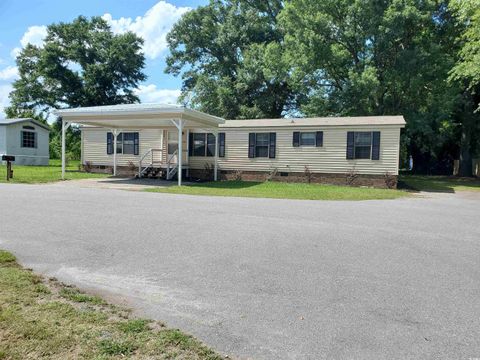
point(142, 168)
point(172, 170)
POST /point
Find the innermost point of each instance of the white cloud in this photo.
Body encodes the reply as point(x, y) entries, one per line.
point(4, 100)
point(9, 73)
point(153, 27)
point(151, 94)
point(34, 35)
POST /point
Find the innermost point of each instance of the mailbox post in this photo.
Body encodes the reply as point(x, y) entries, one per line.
point(9, 159)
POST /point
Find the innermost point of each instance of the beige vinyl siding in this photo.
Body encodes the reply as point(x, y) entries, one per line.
point(94, 146)
point(331, 158)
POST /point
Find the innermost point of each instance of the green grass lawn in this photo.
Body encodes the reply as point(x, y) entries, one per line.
point(282, 190)
point(45, 319)
point(439, 183)
point(44, 174)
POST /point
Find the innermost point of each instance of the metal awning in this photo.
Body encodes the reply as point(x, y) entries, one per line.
point(140, 116)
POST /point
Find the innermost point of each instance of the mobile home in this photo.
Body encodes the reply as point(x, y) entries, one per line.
point(158, 140)
point(26, 139)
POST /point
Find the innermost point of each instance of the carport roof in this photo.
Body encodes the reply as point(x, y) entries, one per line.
point(138, 116)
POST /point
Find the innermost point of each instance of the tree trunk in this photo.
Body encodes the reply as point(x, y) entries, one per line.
point(465, 150)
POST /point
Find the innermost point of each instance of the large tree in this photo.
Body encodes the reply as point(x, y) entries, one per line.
point(466, 73)
point(374, 58)
point(82, 63)
point(229, 54)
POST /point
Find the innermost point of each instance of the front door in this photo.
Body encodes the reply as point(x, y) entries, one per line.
point(172, 146)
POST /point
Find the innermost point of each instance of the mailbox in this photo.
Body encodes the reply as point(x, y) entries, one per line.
point(8, 158)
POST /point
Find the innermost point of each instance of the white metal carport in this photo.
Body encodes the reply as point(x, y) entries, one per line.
point(140, 116)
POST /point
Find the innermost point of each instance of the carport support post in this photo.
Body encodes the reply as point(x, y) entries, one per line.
point(65, 126)
point(215, 170)
point(114, 132)
point(179, 125)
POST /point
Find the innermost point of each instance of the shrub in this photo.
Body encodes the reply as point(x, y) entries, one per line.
point(209, 171)
point(390, 180)
point(87, 167)
point(308, 174)
point(351, 177)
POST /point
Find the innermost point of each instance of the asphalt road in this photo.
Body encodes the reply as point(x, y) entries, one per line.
point(267, 279)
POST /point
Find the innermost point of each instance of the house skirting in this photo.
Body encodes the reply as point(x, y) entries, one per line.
point(377, 181)
point(108, 169)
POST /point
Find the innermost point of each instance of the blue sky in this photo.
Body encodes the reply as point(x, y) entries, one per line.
point(23, 22)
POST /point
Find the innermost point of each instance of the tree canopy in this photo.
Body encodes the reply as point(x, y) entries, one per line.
point(230, 55)
point(82, 63)
point(252, 59)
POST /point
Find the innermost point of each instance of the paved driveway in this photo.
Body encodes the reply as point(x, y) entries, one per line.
point(267, 279)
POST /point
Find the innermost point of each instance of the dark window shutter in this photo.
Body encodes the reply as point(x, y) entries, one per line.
point(251, 145)
point(109, 143)
point(296, 139)
point(210, 144)
point(273, 145)
point(136, 143)
point(221, 144)
point(376, 145)
point(350, 145)
point(319, 138)
point(190, 144)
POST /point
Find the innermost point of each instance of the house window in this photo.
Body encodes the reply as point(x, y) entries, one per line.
point(29, 139)
point(203, 144)
point(307, 138)
point(127, 143)
point(262, 145)
point(363, 145)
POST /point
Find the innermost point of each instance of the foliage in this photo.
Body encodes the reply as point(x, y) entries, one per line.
point(82, 63)
point(466, 72)
point(375, 58)
point(230, 54)
point(251, 58)
point(467, 68)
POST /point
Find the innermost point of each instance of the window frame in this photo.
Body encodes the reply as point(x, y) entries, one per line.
point(199, 137)
point(314, 133)
point(355, 146)
point(120, 143)
point(208, 147)
point(299, 141)
point(267, 145)
point(33, 141)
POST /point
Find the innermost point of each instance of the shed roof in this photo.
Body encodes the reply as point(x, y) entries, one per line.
point(317, 121)
point(20, 120)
